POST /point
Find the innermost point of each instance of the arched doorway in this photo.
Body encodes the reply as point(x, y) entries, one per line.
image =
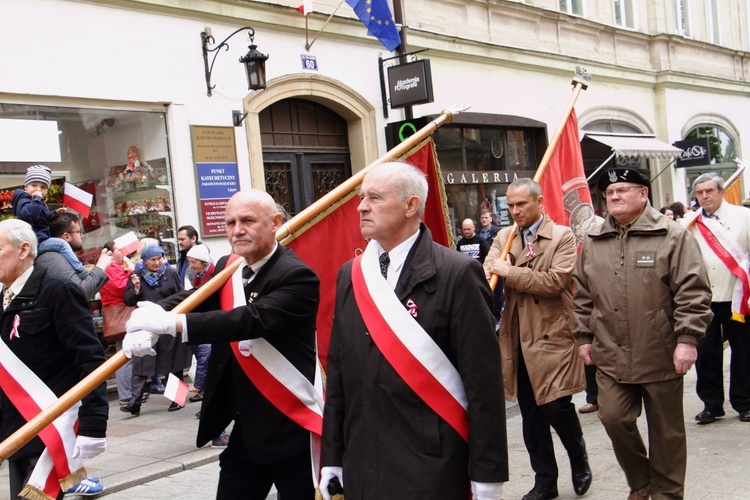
point(305, 152)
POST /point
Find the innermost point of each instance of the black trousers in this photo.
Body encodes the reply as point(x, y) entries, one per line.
point(561, 415)
point(710, 364)
point(592, 390)
point(241, 478)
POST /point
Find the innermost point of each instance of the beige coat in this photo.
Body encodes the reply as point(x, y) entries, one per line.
point(637, 296)
point(538, 313)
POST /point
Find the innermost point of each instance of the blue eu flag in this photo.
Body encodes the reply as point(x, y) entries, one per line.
point(376, 15)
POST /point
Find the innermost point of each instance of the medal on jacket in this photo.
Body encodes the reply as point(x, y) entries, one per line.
point(412, 307)
point(14, 331)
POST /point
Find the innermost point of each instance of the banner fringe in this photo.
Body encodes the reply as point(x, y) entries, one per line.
point(74, 478)
point(31, 493)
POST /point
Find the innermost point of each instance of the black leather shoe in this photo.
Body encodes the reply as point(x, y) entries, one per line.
point(540, 492)
point(745, 416)
point(708, 416)
point(582, 479)
point(134, 410)
point(174, 407)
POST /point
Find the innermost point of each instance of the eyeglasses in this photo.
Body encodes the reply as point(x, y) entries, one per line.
point(620, 190)
point(81, 231)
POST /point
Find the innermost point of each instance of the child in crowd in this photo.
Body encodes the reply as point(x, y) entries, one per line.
point(29, 206)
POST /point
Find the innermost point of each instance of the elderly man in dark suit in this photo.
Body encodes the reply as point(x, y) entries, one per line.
point(414, 404)
point(267, 309)
point(50, 345)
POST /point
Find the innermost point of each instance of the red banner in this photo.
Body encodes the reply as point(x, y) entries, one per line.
point(567, 199)
point(334, 237)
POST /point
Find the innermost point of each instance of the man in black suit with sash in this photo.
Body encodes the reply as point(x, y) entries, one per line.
point(274, 316)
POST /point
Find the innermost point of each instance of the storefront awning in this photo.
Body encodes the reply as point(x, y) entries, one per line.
point(636, 145)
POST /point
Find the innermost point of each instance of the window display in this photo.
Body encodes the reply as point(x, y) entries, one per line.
point(121, 157)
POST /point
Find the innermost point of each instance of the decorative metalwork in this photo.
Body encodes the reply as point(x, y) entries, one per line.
point(326, 177)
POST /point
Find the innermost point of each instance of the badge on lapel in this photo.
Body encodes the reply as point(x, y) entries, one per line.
point(530, 250)
point(14, 331)
point(412, 307)
point(253, 296)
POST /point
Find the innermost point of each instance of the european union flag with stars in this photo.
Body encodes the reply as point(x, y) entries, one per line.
point(376, 15)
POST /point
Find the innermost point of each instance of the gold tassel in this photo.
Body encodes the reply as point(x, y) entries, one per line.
point(31, 493)
point(738, 317)
point(76, 477)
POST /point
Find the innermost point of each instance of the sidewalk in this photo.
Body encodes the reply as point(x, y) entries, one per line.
point(159, 444)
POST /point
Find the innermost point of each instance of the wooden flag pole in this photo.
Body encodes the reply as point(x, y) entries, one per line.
point(580, 82)
point(727, 184)
point(28, 431)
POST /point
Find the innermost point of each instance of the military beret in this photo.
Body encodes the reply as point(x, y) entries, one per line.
point(614, 175)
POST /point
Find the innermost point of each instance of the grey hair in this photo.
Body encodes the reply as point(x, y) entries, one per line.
point(711, 176)
point(408, 181)
point(18, 232)
point(535, 190)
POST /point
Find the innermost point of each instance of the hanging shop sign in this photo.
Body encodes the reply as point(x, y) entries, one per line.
point(695, 153)
point(410, 83)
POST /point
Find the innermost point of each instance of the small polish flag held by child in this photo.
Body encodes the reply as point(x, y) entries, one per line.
point(306, 7)
point(176, 390)
point(77, 199)
point(127, 243)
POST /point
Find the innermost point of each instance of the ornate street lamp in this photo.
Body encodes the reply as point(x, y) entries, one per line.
point(254, 61)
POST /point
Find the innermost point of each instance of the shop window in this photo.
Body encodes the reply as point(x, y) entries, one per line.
point(119, 156)
point(479, 162)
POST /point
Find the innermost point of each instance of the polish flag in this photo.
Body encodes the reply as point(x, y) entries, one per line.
point(127, 243)
point(176, 390)
point(78, 199)
point(306, 7)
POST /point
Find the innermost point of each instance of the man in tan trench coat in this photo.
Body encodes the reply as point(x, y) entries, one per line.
point(540, 363)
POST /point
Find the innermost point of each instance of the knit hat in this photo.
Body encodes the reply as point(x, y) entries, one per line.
point(38, 173)
point(199, 252)
point(152, 251)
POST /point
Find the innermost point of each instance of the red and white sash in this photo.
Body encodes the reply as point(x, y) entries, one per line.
point(406, 345)
point(275, 377)
point(727, 250)
point(55, 470)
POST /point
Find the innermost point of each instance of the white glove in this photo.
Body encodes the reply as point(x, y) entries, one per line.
point(139, 344)
point(487, 491)
point(152, 318)
point(88, 447)
point(326, 474)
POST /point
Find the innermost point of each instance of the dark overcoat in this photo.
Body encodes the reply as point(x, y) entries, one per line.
point(389, 442)
point(56, 340)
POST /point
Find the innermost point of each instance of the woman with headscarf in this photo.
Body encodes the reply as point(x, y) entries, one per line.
point(155, 281)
